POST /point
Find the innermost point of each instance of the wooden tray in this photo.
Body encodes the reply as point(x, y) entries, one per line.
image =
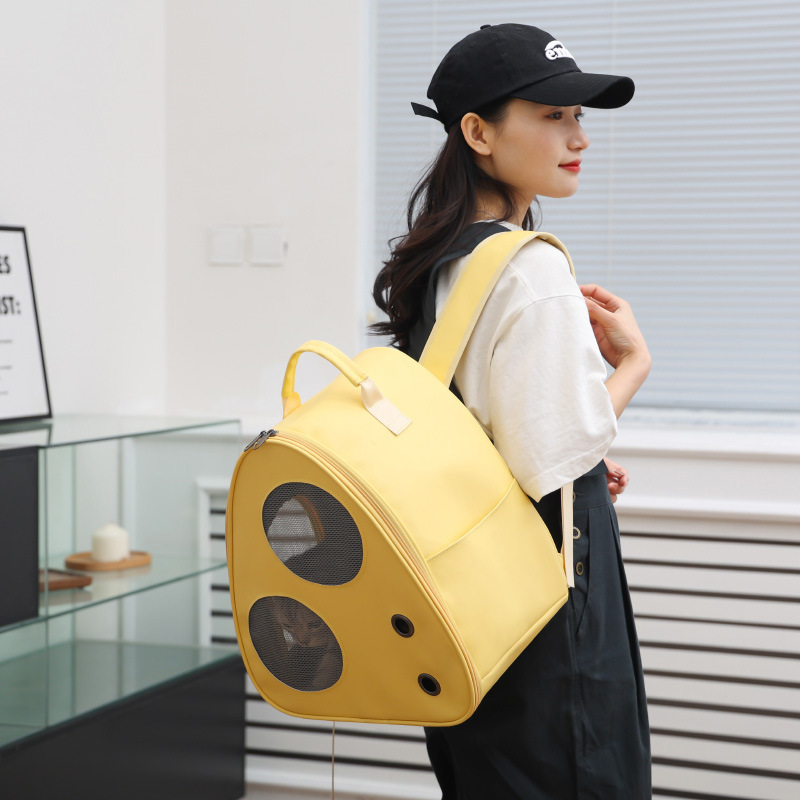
point(84, 561)
point(58, 579)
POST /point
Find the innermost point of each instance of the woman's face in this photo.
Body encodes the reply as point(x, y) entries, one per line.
point(536, 149)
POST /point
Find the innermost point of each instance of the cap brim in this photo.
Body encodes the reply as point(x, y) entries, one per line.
point(579, 89)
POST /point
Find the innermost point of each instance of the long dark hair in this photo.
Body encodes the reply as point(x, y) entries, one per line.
point(442, 204)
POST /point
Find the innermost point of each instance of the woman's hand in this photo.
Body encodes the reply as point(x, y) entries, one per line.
point(617, 478)
point(614, 326)
point(621, 343)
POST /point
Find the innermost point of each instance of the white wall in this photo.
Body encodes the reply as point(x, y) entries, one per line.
point(82, 163)
point(262, 128)
point(128, 129)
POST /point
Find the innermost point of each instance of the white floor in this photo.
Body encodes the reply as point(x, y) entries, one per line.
point(256, 792)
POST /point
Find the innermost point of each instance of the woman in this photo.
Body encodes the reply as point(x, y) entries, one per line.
point(569, 717)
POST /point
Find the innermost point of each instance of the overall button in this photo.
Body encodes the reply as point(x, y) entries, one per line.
point(576, 534)
point(579, 568)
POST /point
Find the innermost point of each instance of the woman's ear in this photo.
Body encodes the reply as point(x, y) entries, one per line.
point(477, 133)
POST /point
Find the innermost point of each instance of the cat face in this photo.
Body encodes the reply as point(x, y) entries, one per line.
point(301, 626)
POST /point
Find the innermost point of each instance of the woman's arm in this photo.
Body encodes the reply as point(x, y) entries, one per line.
point(621, 343)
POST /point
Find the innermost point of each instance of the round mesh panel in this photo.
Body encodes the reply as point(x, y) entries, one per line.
point(295, 644)
point(313, 534)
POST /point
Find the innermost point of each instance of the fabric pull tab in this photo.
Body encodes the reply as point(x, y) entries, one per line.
point(387, 414)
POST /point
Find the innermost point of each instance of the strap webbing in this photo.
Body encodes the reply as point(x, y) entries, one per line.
point(469, 295)
point(566, 534)
point(455, 324)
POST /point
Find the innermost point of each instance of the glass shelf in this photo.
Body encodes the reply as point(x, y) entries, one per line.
point(13, 733)
point(73, 429)
point(113, 585)
point(93, 656)
point(63, 681)
point(129, 630)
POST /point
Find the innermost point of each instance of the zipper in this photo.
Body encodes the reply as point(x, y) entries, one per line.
point(260, 439)
point(344, 473)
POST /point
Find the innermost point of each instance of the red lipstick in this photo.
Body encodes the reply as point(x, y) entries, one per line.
point(573, 166)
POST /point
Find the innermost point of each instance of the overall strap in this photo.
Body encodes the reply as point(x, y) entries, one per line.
point(464, 244)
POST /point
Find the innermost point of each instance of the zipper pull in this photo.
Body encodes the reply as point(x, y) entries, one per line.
point(260, 439)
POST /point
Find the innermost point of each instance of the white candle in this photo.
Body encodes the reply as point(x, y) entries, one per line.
point(110, 543)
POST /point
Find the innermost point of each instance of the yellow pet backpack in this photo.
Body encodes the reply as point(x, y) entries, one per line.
point(385, 566)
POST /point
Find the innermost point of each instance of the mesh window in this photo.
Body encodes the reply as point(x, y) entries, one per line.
point(295, 644)
point(313, 534)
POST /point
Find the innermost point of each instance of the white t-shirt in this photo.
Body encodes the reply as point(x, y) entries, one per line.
point(532, 373)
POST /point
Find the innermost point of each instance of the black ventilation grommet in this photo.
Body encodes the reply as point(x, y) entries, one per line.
point(429, 684)
point(403, 626)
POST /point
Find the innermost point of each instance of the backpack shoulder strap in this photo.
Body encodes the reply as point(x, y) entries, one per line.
point(465, 302)
point(457, 321)
point(465, 243)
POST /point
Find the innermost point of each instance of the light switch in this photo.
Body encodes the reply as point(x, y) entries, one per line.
point(226, 245)
point(266, 245)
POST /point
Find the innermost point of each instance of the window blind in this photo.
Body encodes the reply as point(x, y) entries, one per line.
point(689, 196)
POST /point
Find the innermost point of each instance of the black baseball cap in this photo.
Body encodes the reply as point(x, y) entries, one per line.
point(513, 60)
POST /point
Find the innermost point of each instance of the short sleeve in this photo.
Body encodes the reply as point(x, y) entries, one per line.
point(532, 374)
point(551, 415)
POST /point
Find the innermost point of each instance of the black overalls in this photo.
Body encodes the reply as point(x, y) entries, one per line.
point(568, 719)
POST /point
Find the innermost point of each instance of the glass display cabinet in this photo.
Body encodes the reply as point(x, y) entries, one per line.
point(129, 642)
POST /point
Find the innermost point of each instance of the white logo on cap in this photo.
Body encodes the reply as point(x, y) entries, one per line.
point(556, 50)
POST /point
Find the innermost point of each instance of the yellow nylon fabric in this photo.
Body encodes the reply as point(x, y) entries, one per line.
point(449, 538)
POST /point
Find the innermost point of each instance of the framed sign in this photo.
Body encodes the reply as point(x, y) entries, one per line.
point(23, 382)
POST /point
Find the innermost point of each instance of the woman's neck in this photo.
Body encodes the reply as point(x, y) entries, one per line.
point(494, 208)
